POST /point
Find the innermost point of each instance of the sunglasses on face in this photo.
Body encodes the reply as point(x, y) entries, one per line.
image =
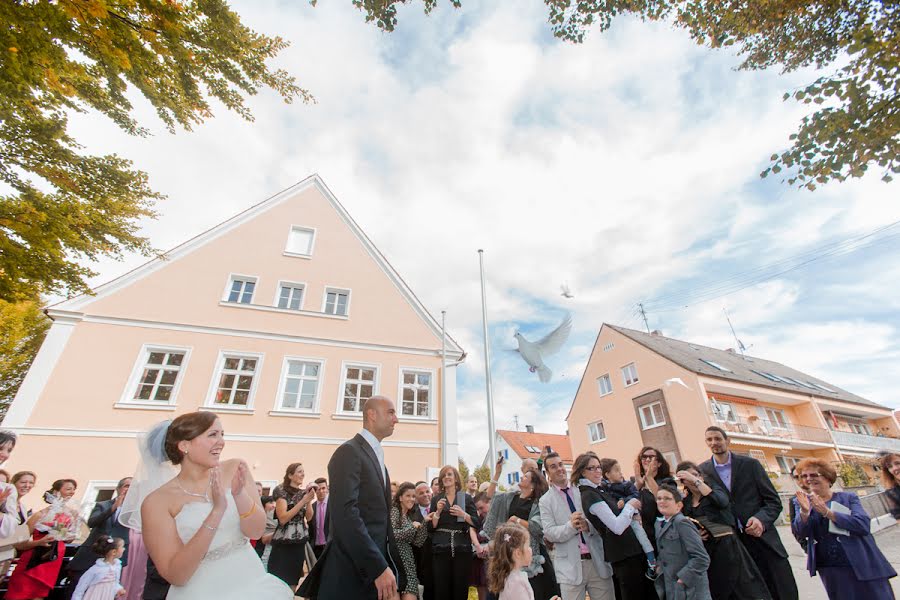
point(648, 457)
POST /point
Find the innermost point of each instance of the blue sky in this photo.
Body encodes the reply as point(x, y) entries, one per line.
point(627, 166)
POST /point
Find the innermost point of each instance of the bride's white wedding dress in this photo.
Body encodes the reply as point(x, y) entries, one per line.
point(231, 570)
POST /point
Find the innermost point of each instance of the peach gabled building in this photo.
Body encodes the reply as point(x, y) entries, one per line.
point(646, 389)
point(282, 320)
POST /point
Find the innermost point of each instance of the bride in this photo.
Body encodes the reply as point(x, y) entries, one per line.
point(196, 524)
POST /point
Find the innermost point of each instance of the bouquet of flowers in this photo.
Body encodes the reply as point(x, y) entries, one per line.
point(60, 522)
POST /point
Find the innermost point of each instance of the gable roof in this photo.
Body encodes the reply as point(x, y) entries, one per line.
point(77, 303)
point(744, 369)
point(518, 440)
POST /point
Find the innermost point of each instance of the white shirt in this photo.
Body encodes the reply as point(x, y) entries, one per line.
point(616, 524)
point(379, 451)
point(10, 520)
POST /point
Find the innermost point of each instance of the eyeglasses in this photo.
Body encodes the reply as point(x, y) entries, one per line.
point(648, 457)
point(592, 468)
point(809, 476)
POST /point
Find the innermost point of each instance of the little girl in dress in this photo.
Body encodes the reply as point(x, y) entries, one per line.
point(101, 581)
point(510, 553)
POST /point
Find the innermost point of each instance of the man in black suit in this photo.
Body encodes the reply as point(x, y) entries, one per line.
point(756, 506)
point(360, 560)
point(423, 554)
point(318, 521)
point(104, 521)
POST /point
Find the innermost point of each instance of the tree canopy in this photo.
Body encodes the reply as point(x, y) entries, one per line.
point(59, 205)
point(22, 330)
point(856, 121)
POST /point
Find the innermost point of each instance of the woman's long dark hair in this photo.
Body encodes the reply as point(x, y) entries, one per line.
point(664, 471)
point(402, 489)
point(539, 484)
point(286, 484)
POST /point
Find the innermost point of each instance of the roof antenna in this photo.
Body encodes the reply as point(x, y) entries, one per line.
point(516, 418)
point(644, 315)
point(740, 344)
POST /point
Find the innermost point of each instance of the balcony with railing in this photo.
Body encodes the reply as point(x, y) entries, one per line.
point(862, 440)
point(774, 430)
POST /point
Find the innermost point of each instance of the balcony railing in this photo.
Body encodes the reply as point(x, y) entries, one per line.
point(776, 431)
point(861, 440)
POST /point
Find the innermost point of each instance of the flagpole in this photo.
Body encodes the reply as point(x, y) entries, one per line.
point(443, 387)
point(492, 453)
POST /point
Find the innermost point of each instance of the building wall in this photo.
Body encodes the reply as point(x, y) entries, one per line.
point(687, 413)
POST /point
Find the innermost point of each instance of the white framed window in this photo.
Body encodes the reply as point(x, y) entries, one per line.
point(766, 375)
point(416, 393)
point(671, 459)
point(337, 302)
point(596, 433)
point(724, 411)
point(97, 491)
point(859, 427)
point(716, 365)
point(604, 383)
point(652, 415)
point(300, 241)
point(776, 418)
point(512, 478)
point(785, 463)
point(609, 346)
point(290, 295)
point(629, 374)
point(235, 380)
point(359, 382)
point(156, 376)
point(240, 289)
point(300, 384)
point(761, 457)
point(821, 387)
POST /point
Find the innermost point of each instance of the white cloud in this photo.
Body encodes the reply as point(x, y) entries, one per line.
point(619, 165)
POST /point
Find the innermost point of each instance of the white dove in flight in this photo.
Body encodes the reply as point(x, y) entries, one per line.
point(533, 352)
point(566, 291)
point(676, 380)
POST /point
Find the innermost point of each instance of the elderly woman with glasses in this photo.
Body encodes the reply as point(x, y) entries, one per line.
point(841, 548)
point(621, 547)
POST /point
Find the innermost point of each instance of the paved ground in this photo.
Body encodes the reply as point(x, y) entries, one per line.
point(888, 541)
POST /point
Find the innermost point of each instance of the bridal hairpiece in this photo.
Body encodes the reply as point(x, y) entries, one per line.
point(506, 537)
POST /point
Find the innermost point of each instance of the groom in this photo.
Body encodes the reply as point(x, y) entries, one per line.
point(359, 560)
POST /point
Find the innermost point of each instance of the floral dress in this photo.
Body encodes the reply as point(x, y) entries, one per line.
point(407, 536)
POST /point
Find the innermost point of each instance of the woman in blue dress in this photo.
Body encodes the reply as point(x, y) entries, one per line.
point(841, 547)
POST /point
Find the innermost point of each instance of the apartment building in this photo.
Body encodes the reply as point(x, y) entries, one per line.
point(647, 389)
point(516, 446)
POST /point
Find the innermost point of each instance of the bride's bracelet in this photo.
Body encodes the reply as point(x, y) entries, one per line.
point(249, 512)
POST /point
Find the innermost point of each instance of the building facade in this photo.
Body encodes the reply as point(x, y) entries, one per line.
point(281, 320)
point(642, 389)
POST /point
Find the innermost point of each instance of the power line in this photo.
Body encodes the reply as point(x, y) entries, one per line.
point(751, 277)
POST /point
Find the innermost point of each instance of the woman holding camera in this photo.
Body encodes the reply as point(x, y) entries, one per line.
point(291, 532)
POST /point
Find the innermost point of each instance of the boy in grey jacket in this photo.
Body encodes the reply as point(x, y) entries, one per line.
point(682, 559)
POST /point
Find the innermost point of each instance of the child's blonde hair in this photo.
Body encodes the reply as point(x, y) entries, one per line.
point(507, 539)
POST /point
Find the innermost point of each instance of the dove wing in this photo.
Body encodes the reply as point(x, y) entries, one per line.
point(553, 341)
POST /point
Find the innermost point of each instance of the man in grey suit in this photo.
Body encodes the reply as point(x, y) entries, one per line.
point(577, 550)
point(104, 521)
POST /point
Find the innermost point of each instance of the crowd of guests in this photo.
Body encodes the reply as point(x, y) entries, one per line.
point(695, 531)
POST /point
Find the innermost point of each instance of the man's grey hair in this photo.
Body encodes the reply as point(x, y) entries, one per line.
point(122, 482)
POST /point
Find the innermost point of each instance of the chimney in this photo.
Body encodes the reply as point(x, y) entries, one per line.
point(529, 428)
point(656, 333)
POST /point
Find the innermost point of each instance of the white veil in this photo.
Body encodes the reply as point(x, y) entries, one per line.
point(153, 470)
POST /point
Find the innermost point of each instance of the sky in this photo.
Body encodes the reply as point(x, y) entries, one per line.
point(626, 167)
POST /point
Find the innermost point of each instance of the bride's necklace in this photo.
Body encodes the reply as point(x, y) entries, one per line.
point(204, 495)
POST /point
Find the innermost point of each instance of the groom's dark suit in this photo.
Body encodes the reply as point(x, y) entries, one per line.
point(362, 542)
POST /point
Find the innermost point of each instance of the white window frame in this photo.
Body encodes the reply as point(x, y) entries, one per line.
point(724, 405)
point(431, 394)
point(127, 399)
point(312, 243)
point(793, 462)
point(759, 456)
point(596, 432)
point(338, 290)
point(608, 382)
point(670, 458)
point(293, 284)
point(856, 426)
point(783, 424)
point(655, 424)
point(375, 390)
point(633, 367)
point(609, 346)
point(279, 408)
point(94, 487)
point(268, 483)
point(217, 375)
point(232, 277)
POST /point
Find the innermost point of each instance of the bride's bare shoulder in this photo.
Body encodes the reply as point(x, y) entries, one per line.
point(161, 499)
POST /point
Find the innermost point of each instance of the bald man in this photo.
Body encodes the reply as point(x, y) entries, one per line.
point(361, 558)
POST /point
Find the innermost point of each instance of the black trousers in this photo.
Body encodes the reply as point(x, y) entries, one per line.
point(451, 575)
point(632, 582)
point(775, 569)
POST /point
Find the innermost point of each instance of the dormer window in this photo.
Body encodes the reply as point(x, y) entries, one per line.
point(300, 241)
